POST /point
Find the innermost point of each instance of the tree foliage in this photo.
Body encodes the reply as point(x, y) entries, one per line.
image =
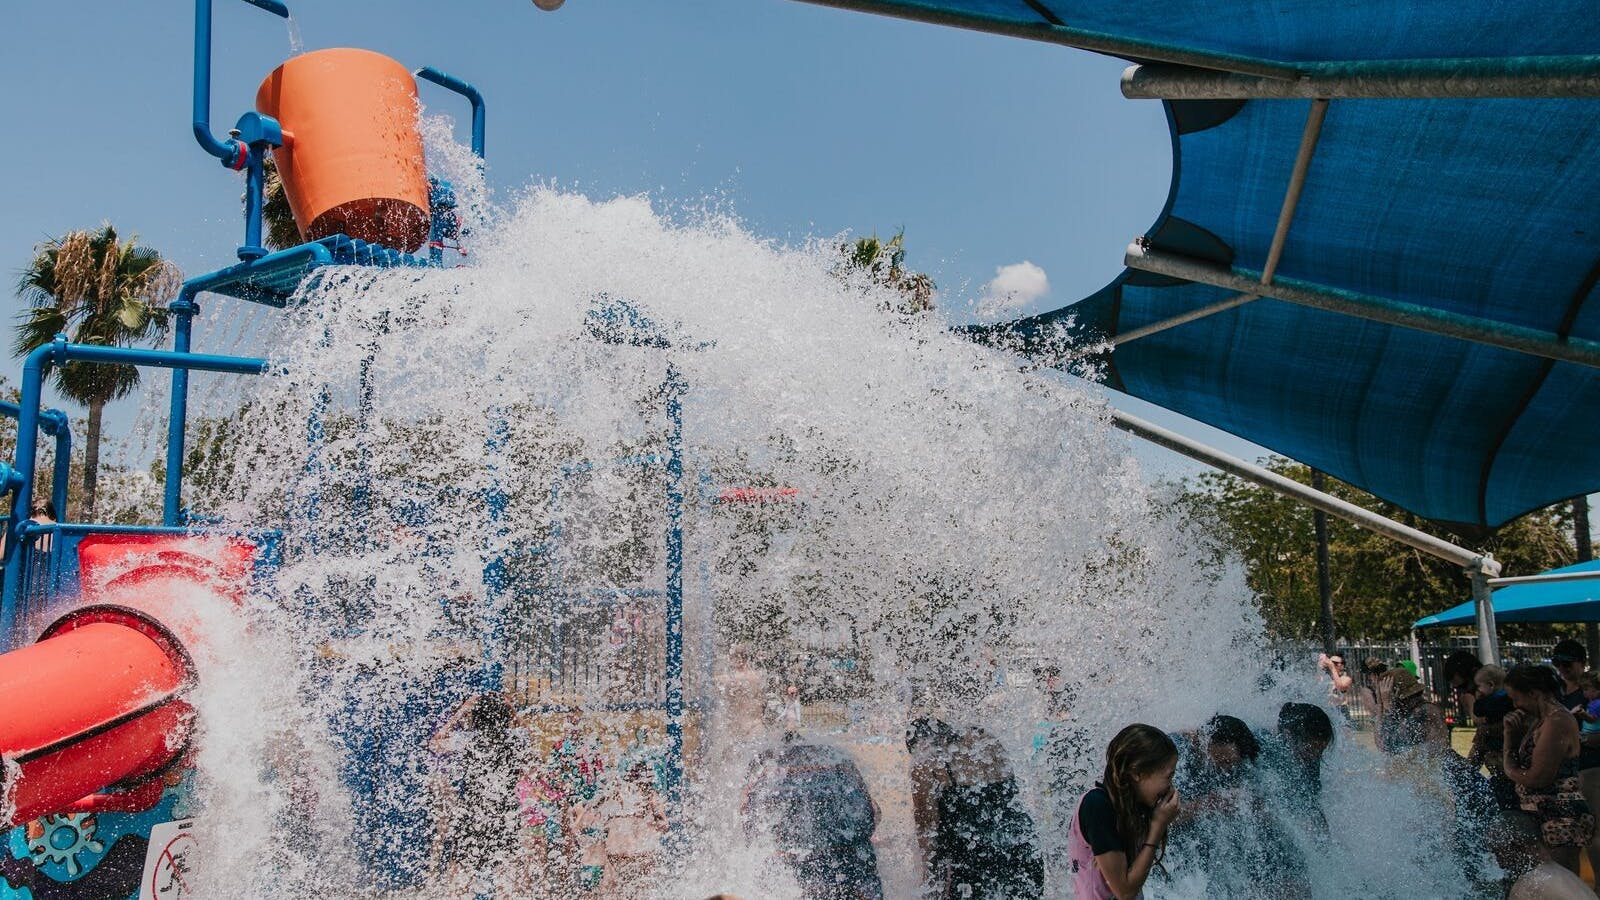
point(1380, 586)
point(96, 288)
point(883, 263)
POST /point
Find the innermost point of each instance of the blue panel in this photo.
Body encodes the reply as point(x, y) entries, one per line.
point(1304, 30)
point(1562, 601)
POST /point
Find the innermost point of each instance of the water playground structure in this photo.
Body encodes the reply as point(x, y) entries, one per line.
point(108, 628)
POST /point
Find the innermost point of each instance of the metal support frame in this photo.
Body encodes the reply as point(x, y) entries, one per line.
point(1280, 234)
point(34, 369)
point(1547, 578)
point(1526, 77)
point(54, 423)
point(1067, 36)
point(1479, 567)
point(1503, 335)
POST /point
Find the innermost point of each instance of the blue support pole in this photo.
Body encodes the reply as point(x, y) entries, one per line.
point(55, 424)
point(674, 612)
point(496, 577)
point(177, 418)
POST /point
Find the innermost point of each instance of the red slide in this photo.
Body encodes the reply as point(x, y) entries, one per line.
point(95, 714)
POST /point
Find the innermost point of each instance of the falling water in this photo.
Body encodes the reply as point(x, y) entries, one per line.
point(936, 520)
point(297, 46)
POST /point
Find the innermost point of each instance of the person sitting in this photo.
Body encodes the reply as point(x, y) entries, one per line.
point(1120, 829)
point(976, 837)
point(1460, 673)
point(1541, 757)
point(1488, 743)
point(1214, 758)
point(814, 802)
point(1304, 734)
point(1410, 720)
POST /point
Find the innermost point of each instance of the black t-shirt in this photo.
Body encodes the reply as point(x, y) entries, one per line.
point(1098, 822)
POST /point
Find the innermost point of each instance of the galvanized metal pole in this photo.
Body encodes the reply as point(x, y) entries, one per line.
point(1527, 77)
point(1483, 613)
point(1319, 521)
point(1288, 487)
point(1364, 306)
point(1583, 542)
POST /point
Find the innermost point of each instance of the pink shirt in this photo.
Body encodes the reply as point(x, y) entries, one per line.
point(1087, 882)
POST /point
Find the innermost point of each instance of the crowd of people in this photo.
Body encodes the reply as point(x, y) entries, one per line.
point(1239, 809)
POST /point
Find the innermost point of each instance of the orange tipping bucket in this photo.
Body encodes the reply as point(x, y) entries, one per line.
point(351, 161)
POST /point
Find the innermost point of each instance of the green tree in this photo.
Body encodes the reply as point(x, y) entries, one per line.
point(96, 288)
point(278, 228)
point(884, 263)
point(1380, 586)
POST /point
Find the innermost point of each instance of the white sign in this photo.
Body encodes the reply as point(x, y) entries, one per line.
point(168, 861)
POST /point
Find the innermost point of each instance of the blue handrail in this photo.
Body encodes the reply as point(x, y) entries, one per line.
point(54, 423)
point(34, 368)
point(451, 83)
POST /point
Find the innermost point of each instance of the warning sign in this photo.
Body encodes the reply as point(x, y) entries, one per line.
point(168, 861)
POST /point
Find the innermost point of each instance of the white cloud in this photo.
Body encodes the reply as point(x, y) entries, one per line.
point(1012, 288)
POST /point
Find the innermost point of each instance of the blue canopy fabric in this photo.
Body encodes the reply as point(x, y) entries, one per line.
point(1487, 208)
point(1561, 601)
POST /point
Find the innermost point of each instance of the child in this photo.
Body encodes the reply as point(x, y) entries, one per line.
point(1120, 829)
point(1488, 743)
point(1588, 712)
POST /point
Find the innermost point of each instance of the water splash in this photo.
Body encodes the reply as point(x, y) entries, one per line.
point(954, 520)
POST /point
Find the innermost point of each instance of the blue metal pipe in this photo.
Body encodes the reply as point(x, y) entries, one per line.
point(172, 499)
point(232, 153)
point(451, 83)
point(674, 612)
point(33, 368)
point(254, 188)
point(54, 422)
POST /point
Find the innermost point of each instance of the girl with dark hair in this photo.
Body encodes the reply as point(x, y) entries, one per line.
point(1120, 830)
point(1541, 758)
point(1460, 672)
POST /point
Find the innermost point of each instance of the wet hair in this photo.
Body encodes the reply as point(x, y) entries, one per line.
point(928, 729)
point(1374, 666)
point(1495, 675)
point(1305, 722)
point(1529, 678)
point(1462, 664)
point(1568, 651)
point(1229, 730)
point(1137, 751)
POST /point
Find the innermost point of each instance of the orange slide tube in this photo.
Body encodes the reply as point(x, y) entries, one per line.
point(352, 155)
point(97, 703)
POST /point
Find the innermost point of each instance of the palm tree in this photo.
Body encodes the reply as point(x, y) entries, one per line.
point(97, 289)
point(884, 263)
point(278, 228)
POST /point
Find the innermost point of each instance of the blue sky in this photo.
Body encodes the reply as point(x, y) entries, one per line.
point(802, 120)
